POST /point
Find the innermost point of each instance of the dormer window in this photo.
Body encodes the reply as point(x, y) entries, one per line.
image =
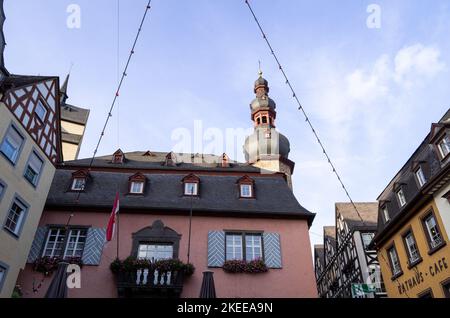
point(386, 216)
point(191, 184)
point(118, 157)
point(444, 146)
point(420, 176)
point(137, 183)
point(78, 184)
point(246, 191)
point(137, 187)
point(190, 188)
point(246, 187)
point(79, 179)
point(401, 197)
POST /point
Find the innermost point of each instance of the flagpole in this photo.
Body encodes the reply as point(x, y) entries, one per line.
point(190, 228)
point(118, 229)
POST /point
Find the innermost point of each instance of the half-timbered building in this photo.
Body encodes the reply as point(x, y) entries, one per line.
point(30, 149)
point(349, 266)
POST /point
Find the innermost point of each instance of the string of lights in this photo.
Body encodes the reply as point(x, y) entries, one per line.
point(116, 96)
point(302, 109)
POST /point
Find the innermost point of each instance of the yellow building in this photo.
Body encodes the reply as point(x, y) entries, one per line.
point(412, 238)
point(30, 147)
point(73, 125)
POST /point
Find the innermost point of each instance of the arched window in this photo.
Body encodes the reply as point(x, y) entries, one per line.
point(156, 242)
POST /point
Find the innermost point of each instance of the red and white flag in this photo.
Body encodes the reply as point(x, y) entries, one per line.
point(112, 219)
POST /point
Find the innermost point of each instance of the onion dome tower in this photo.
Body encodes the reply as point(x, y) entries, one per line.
point(266, 148)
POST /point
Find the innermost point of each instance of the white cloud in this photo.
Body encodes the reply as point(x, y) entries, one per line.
point(410, 66)
point(417, 61)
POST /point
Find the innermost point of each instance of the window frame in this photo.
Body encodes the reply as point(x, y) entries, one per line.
point(426, 292)
point(385, 212)
point(443, 284)
point(44, 106)
point(65, 241)
point(395, 275)
point(74, 180)
point(153, 243)
point(141, 187)
point(431, 249)
point(20, 224)
point(39, 173)
point(440, 150)
point(241, 192)
point(3, 191)
point(243, 235)
point(401, 198)
point(194, 193)
point(12, 126)
point(5, 268)
point(421, 181)
point(405, 234)
point(362, 240)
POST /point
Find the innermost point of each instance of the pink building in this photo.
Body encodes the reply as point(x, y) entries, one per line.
point(247, 227)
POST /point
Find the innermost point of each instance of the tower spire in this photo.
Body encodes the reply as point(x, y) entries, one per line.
point(63, 90)
point(266, 148)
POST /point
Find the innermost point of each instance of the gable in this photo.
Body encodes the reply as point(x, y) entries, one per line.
point(22, 102)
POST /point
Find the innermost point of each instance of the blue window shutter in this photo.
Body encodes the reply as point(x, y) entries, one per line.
point(36, 246)
point(94, 246)
point(272, 250)
point(216, 248)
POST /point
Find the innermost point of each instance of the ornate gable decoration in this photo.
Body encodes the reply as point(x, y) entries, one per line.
point(82, 173)
point(191, 178)
point(36, 107)
point(246, 180)
point(138, 177)
point(118, 157)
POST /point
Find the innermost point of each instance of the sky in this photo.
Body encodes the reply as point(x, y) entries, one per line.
point(371, 90)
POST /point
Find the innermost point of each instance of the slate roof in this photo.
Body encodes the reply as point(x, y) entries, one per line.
point(196, 162)
point(367, 210)
point(74, 114)
point(218, 193)
point(432, 167)
point(14, 80)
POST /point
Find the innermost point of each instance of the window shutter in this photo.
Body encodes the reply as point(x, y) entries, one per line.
point(36, 246)
point(216, 248)
point(94, 246)
point(272, 250)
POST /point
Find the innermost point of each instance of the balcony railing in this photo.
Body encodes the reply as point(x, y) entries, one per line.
point(149, 282)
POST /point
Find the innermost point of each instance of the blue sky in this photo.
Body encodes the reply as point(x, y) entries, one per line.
point(371, 93)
